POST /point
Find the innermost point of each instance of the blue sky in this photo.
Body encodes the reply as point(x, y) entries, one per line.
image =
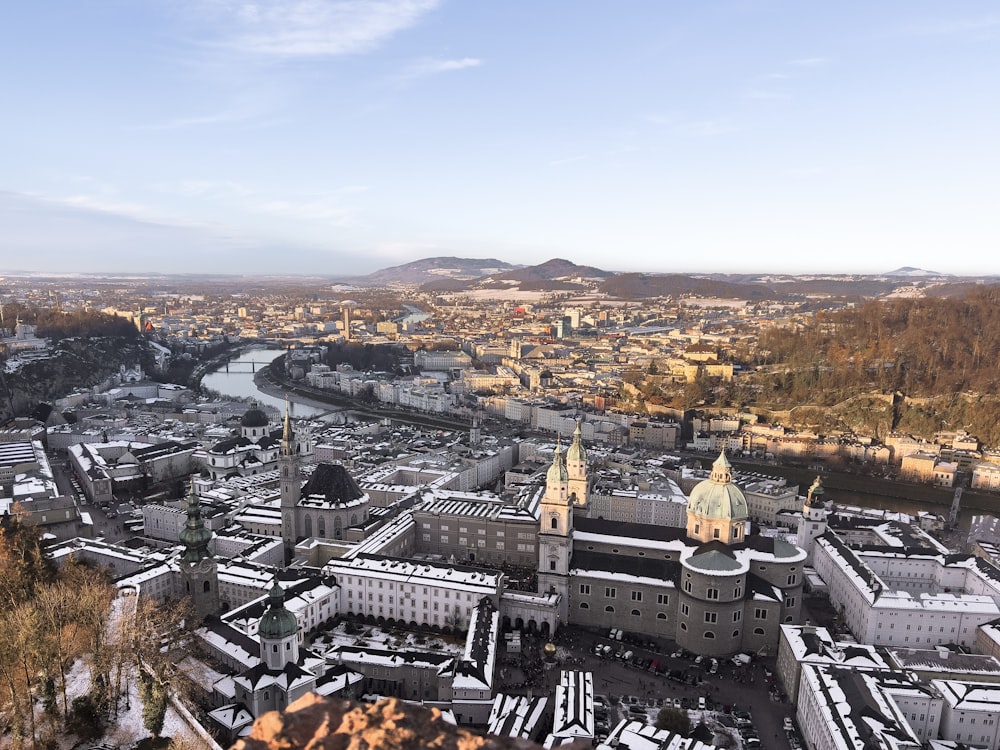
point(318, 136)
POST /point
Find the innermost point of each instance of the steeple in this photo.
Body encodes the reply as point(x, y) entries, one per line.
point(576, 467)
point(194, 536)
point(199, 572)
point(287, 436)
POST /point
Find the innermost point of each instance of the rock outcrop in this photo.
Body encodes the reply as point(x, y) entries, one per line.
point(315, 723)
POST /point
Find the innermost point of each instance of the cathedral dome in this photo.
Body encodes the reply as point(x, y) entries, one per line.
point(254, 417)
point(717, 496)
point(277, 623)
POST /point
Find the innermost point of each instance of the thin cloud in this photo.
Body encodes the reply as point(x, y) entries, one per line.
point(430, 67)
point(568, 160)
point(312, 28)
point(811, 62)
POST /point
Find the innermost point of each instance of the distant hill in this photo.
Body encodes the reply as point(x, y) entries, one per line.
point(430, 270)
point(914, 273)
point(645, 285)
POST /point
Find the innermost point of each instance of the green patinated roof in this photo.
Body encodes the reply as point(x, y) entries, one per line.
point(278, 622)
point(717, 496)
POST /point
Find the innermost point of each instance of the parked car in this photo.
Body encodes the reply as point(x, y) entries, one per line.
point(787, 724)
point(701, 703)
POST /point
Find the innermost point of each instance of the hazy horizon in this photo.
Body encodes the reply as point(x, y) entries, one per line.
point(337, 138)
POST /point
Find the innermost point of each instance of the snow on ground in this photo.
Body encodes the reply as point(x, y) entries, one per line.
point(376, 637)
point(125, 729)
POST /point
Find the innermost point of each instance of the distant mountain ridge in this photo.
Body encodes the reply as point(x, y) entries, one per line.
point(429, 270)
point(442, 275)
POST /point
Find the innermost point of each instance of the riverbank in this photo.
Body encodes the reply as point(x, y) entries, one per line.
point(855, 489)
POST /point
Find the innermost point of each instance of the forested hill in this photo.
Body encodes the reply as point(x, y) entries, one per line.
point(921, 347)
point(936, 357)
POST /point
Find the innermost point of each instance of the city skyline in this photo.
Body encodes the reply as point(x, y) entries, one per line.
point(339, 138)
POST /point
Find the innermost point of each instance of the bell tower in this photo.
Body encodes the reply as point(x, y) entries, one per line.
point(576, 468)
point(555, 533)
point(813, 523)
point(290, 481)
point(199, 572)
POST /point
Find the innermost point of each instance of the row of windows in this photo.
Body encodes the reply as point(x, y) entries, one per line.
point(611, 592)
point(635, 612)
point(710, 634)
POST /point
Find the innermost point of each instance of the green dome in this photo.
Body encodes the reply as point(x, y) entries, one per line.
point(277, 623)
point(557, 471)
point(717, 496)
point(576, 452)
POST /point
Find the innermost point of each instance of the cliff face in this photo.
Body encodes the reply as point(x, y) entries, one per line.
point(332, 724)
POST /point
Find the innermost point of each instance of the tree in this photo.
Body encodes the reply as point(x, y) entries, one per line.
point(154, 702)
point(673, 720)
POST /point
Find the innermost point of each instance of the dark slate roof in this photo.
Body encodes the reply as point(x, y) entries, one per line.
point(332, 483)
point(668, 570)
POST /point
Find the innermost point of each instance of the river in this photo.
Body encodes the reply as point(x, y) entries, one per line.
point(238, 383)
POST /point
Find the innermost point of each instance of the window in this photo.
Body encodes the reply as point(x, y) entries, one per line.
point(709, 634)
point(711, 617)
point(737, 616)
point(637, 596)
point(555, 523)
point(760, 613)
point(584, 605)
point(444, 539)
point(736, 634)
point(636, 613)
point(684, 626)
point(610, 592)
point(685, 610)
point(737, 592)
point(790, 602)
point(662, 599)
point(687, 586)
point(609, 608)
point(552, 564)
point(758, 631)
point(716, 533)
point(791, 579)
point(585, 589)
point(712, 594)
point(661, 615)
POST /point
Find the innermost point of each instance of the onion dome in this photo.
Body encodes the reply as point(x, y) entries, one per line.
point(576, 452)
point(557, 471)
point(278, 622)
point(194, 536)
point(254, 417)
point(717, 496)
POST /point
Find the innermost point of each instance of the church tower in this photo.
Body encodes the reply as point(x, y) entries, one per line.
point(291, 484)
point(813, 522)
point(576, 467)
point(555, 534)
point(278, 632)
point(199, 573)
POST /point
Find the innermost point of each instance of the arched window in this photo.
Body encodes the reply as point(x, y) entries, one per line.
point(709, 634)
point(555, 523)
point(684, 626)
point(758, 631)
point(661, 615)
point(636, 613)
point(609, 608)
point(736, 634)
point(207, 587)
point(321, 526)
point(584, 605)
point(309, 525)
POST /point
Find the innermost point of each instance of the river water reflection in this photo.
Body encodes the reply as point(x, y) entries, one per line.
point(238, 382)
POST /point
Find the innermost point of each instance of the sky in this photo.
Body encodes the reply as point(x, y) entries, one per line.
point(337, 137)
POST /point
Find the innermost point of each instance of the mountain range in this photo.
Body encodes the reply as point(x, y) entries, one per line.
point(450, 275)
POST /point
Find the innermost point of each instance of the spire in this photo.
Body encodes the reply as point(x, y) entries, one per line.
point(815, 496)
point(576, 450)
point(287, 436)
point(557, 472)
point(194, 536)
